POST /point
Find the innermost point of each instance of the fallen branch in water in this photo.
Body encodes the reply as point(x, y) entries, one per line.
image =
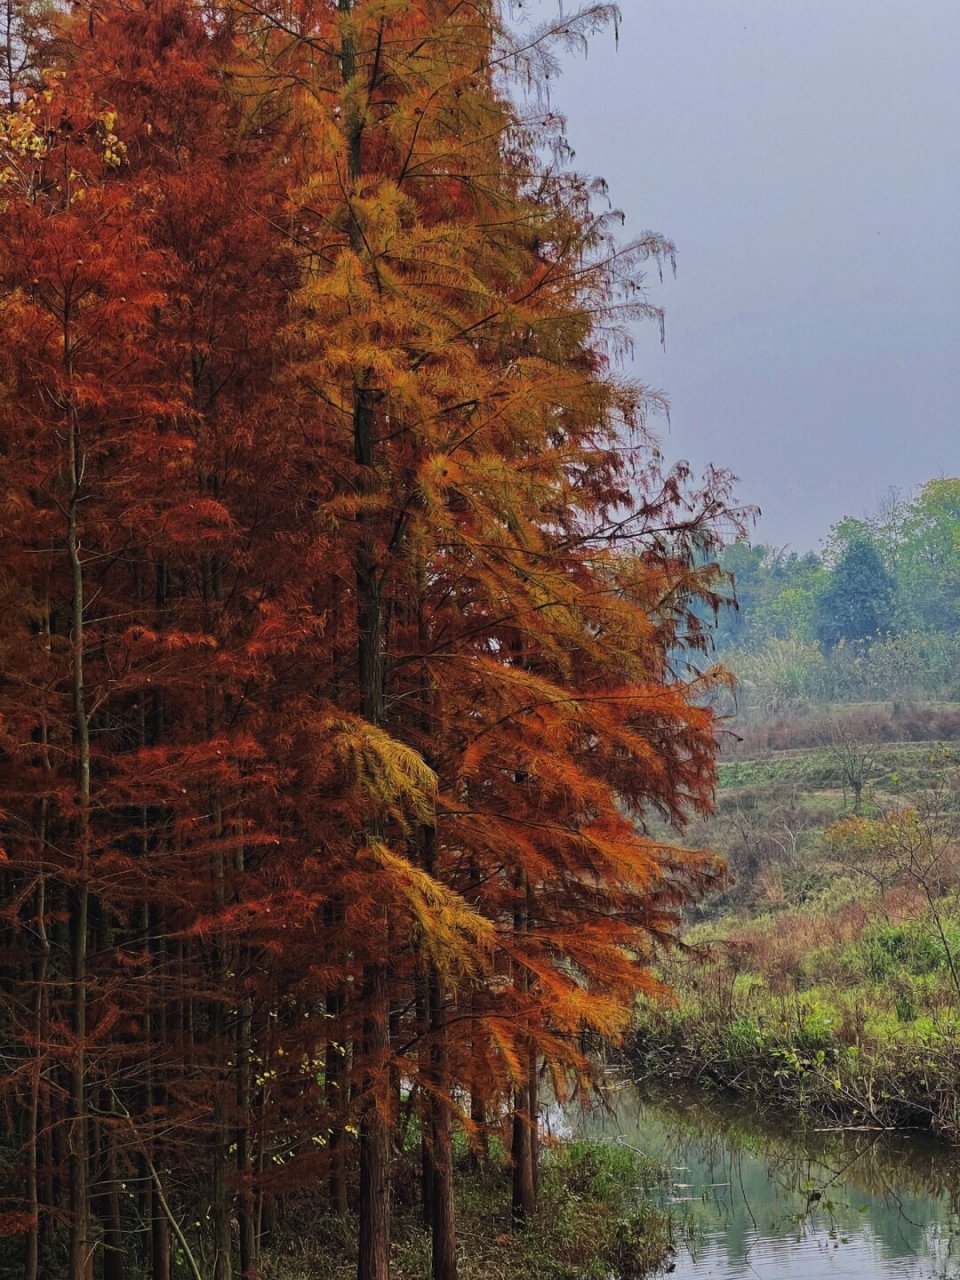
point(869, 1128)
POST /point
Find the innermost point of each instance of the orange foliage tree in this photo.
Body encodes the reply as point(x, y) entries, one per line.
point(524, 575)
point(348, 616)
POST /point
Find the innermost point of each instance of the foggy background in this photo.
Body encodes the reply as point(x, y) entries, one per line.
point(803, 155)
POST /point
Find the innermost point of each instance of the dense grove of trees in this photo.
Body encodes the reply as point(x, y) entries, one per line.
point(874, 617)
point(343, 597)
point(894, 573)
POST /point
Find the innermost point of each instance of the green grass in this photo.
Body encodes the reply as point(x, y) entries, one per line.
point(803, 986)
point(900, 766)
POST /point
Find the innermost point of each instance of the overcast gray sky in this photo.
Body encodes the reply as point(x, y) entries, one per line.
point(804, 155)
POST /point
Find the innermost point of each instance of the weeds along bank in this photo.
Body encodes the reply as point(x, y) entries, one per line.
point(867, 1051)
point(826, 978)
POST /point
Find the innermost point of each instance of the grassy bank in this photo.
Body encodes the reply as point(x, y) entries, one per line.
point(594, 1223)
point(826, 979)
point(836, 1057)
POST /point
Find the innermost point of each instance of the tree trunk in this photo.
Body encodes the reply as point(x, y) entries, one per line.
point(376, 1134)
point(249, 1259)
point(220, 1211)
point(533, 1081)
point(375, 1126)
point(480, 1150)
point(437, 1153)
point(114, 1255)
point(533, 1091)
point(78, 1142)
point(376, 1143)
point(524, 1196)
point(159, 1239)
point(443, 1219)
point(221, 1206)
point(32, 1242)
point(221, 1201)
point(156, 1030)
point(426, 1155)
point(335, 1073)
point(524, 1191)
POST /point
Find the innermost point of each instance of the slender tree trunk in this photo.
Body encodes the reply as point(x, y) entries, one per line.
point(222, 1045)
point(249, 1259)
point(335, 1073)
point(480, 1146)
point(246, 1207)
point(32, 1243)
point(443, 1219)
point(376, 1131)
point(421, 996)
point(376, 1125)
point(533, 1094)
point(220, 1198)
point(220, 1215)
point(263, 1209)
point(533, 1079)
point(376, 1119)
point(107, 1190)
point(268, 1217)
point(81, 1239)
point(438, 1167)
point(114, 1254)
point(49, 1131)
point(524, 1196)
point(41, 966)
point(524, 1192)
point(156, 1029)
point(159, 1239)
point(480, 1152)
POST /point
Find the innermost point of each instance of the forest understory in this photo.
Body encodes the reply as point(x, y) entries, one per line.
point(595, 1221)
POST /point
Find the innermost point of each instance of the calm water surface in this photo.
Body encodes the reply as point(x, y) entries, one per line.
point(762, 1202)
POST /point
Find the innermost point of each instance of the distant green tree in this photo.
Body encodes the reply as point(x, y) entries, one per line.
point(928, 557)
point(745, 564)
point(791, 609)
point(857, 599)
point(848, 531)
point(776, 593)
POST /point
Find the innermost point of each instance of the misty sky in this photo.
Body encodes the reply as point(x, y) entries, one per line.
point(804, 155)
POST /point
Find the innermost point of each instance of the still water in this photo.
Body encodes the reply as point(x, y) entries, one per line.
point(758, 1201)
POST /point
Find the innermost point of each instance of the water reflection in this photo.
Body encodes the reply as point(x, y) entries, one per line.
point(762, 1202)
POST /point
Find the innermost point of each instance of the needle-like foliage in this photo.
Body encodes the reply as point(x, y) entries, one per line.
point(352, 629)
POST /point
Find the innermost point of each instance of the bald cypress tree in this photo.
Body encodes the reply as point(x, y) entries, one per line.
point(523, 572)
point(346, 590)
point(857, 602)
